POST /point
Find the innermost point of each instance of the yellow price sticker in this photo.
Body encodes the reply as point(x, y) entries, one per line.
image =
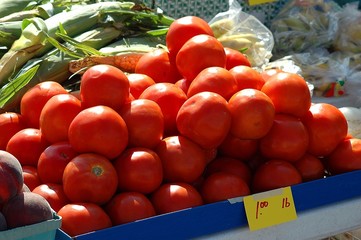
point(269, 208)
point(257, 2)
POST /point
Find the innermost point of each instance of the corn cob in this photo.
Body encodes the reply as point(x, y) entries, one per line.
point(10, 6)
point(9, 32)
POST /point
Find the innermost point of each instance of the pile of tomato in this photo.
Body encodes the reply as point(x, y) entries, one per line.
point(195, 124)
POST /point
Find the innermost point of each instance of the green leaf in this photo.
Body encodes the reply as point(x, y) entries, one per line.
point(87, 50)
point(15, 85)
point(62, 48)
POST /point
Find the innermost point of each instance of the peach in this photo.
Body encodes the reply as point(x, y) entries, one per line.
point(11, 176)
point(26, 208)
point(3, 224)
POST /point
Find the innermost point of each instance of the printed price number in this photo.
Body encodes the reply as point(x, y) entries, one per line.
point(270, 208)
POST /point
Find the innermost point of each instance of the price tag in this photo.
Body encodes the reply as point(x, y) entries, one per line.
point(257, 2)
point(269, 208)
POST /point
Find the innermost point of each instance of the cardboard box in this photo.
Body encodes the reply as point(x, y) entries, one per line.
point(40, 231)
point(226, 215)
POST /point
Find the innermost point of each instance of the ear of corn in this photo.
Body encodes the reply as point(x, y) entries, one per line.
point(10, 6)
point(9, 32)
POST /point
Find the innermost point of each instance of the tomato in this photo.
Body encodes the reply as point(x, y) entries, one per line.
point(230, 165)
point(53, 193)
point(139, 170)
point(275, 174)
point(138, 112)
point(53, 160)
point(170, 98)
point(288, 139)
point(10, 123)
point(56, 116)
point(310, 167)
point(27, 145)
point(221, 186)
point(198, 53)
point(252, 114)
point(235, 58)
point(205, 119)
point(267, 73)
point(104, 85)
point(213, 79)
point(99, 129)
point(182, 29)
point(128, 207)
point(34, 100)
point(31, 177)
point(171, 197)
point(346, 157)
point(326, 126)
point(247, 77)
point(182, 159)
point(157, 65)
point(183, 84)
point(90, 177)
point(289, 93)
point(138, 82)
point(80, 218)
point(242, 149)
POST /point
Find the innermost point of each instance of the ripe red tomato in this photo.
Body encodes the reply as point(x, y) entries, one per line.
point(287, 139)
point(345, 157)
point(205, 119)
point(222, 185)
point(247, 77)
point(289, 93)
point(171, 197)
point(275, 174)
point(235, 58)
point(90, 177)
point(326, 126)
point(10, 123)
point(138, 83)
point(182, 29)
point(267, 73)
point(213, 79)
point(104, 85)
point(80, 218)
point(53, 161)
point(310, 167)
point(128, 207)
point(53, 193)
point(252, 114)
point(242, 149)
point(139, 170)
point(198, 53)
point(31, 177)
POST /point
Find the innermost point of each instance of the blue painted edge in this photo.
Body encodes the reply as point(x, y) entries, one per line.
point(223, 216)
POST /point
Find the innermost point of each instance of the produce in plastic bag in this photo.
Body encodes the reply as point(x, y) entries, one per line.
point(242, 31)
point(348, 35)
point(304, 24)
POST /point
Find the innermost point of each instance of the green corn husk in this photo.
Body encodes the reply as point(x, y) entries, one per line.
point(9, 32)
point(53, 66)
point(10, 6)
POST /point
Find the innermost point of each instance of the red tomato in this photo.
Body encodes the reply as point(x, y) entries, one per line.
point(182, 159)
point(267, 73)
point(27, 145)
point(222, 185)
point(235, 58)
point(205, 119)
point(345, 157)
point(90, 177)
point(56, 116)
point(138, 112)
point(214, 79)
point(326, 126)
point(229, 165)
point(247, 77)
point(242, 149)
point(53, 161)
point(198, 53)
point(54, 194)
point(275, 174)
point(104, 85)
point(128, 207)
point(80, 218)
point(10, 123)
point(183, 84)
point(138, 83)
point(171, 197)
point(287, 139)
point(157, 65)
point(310, 167)
point(139, 170)
point(252, 114)
point(31, 177)
point(182, 29)
point(289, 93)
